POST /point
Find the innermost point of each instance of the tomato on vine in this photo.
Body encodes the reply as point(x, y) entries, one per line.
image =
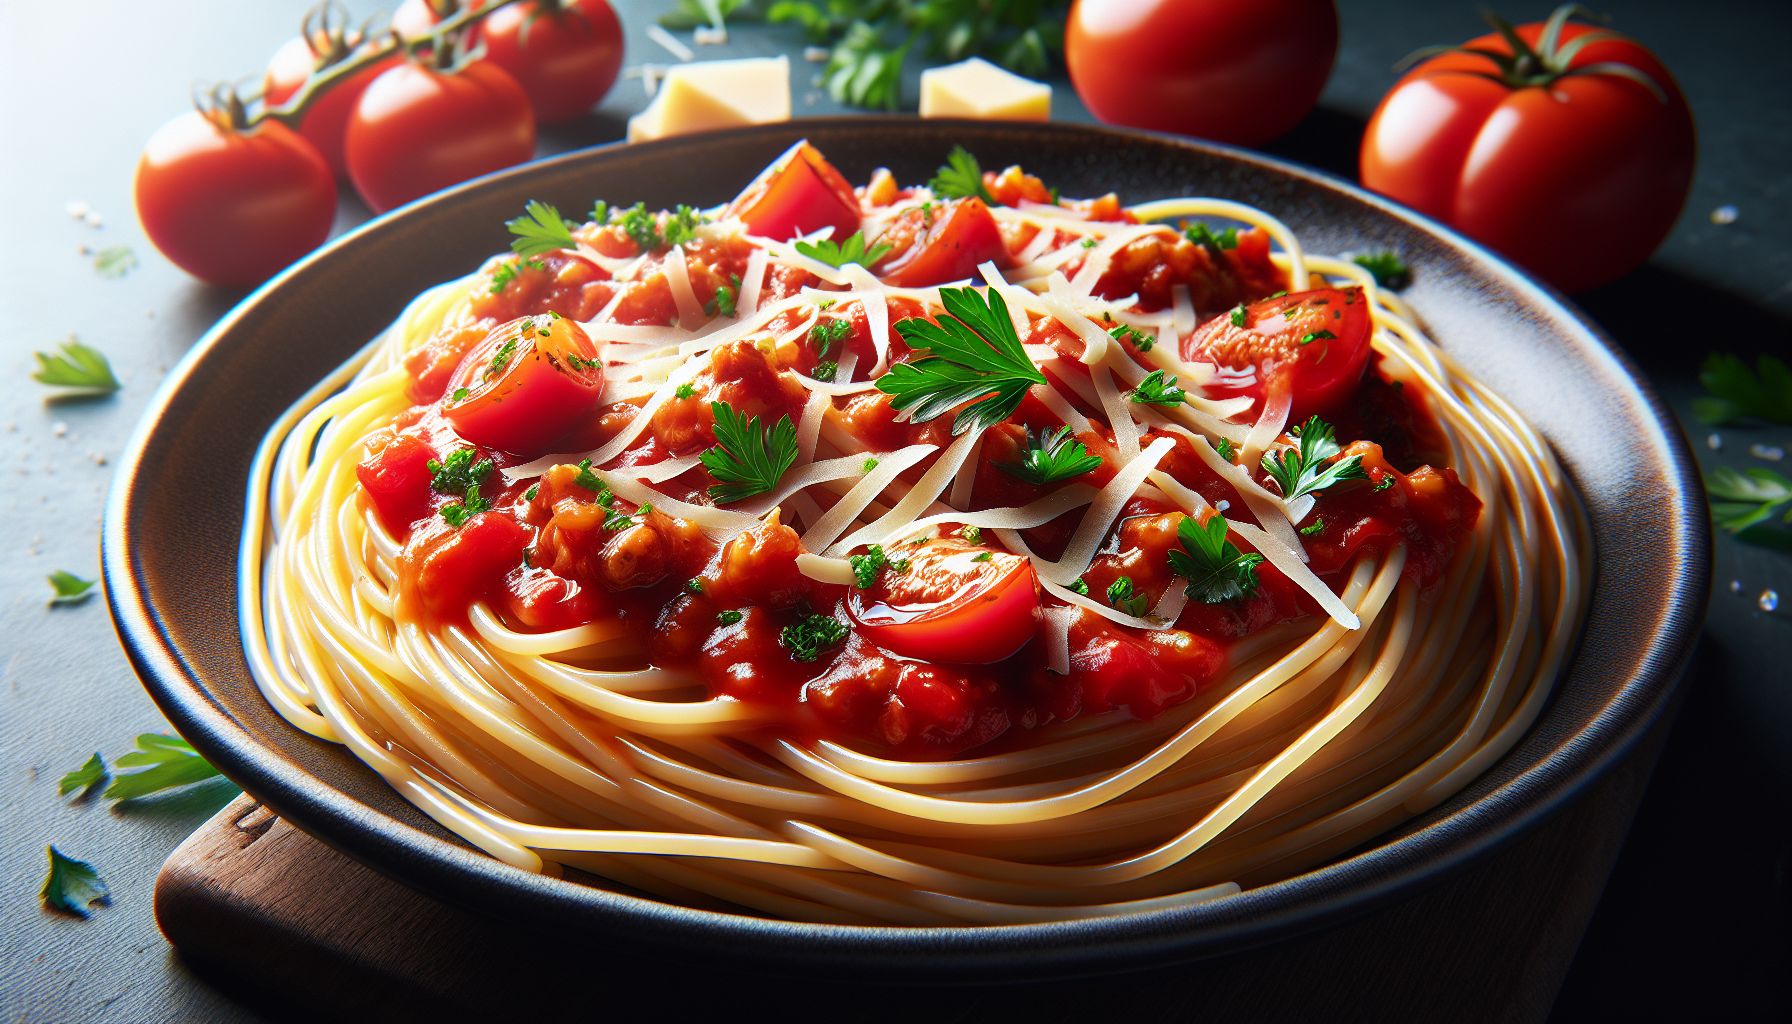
point(564, 53)
point(1566, 147)
point(324, 40)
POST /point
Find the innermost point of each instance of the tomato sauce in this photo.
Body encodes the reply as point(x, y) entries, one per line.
point(829, 661)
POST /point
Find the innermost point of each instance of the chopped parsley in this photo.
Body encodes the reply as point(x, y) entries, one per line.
point(1203, 236)
point(460, 395)
point(973, 352)
point(1122, 596)
point(1387, 268)
point(1139, 338)
point(1387, 481)
point(806, 638)
point(1155, 389)
point(90, 774)
point(507, 272)
point(681, 226)
point(540, 230)
point(167, 762)
point(723, 302)
point(694, 585)
point(1748, 498)
point(73, 886)
point(729, 617)
point(984, 557)
point(1089, 243)
point(825, 371)
point(642, 227)
point(1308, 339)
point(1052, 455)
point(1765, 394)
point(1300, 471)
point(70, 589)
point(1314, 528)
point(825, 332)
point(1238, 316)
point(971, 535)
point(1216, 570)
point(870, 464)
point(81, 369)
point(459, 474)
point(840, 254)
point(600, 213)
point(961, 178)
point(684, 391)
point(592, 482)
point(1225, 448)
point(1078, 586)
point(866, 567)
point(748, 459)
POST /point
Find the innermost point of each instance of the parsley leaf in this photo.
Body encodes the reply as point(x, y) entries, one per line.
point(961, 178)
point(78, 367)
point(1203, 236)
point(839, 255)
point(1080, 586)
point(70, 589)
point(73, 886)
point(729, 617)
point(1155, 389)
point(1122, 596)
point(540, 230)
point(1314, 528)
point(1141, 340)
point(971, 535)
point(1237, 316)
point(748, 459)
point(1225, 448)
point(1216, 570)
point(1387, 481)
point(507, 273)
point(865, 567)
point(642, 227)
point(167, 762)
point(89, 774)
point(723, 302)
point(973, 352)
point(1051, 456)
point(1750, 497)
point(1300, 472)
point(807, 638)
point(825, 371)
point(459, 474)
point(681, 226)
point(825, 332)
point(115, 261)
point(1389, 271)
point(861, 71)
point(593, 483)
point(1735, 392)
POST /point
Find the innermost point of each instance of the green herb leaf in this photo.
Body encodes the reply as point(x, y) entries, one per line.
point(1123, 598)
point(507, 272)
point(458, 473)
point(1314, 528)
point(1301, 472)
point(865, 567)
point(681, 226)
point(1140, 339)
point(94, 771)
point(1237, 315)
point(73, 886)
point(729, 617)
point(642, 227)
point(961, 178)
point(827, 331)
point(694, 585)
point(807, 638)
point(851, 251)
point(1308, 339)
point(1203, 236)
point(1051, 456)
point(1155, 389)
point(70, 589)
point(748, 459)
point(1748, 498)
point(114, 261)
point(1387, 481)
point(1735, 392)
point(540, 230)
point(723, 302)
point(167, 762)
point(529, 495)
point(1216, 570)
point(1080, 586)
point(973, 352)
point(971, 535)
point(825, 371)
point(1387, 268)
point(862, 72)
point(1225, 448)
point(78, 367)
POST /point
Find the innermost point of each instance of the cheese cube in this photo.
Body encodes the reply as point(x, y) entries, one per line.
point(716, 94)
point(977, 88)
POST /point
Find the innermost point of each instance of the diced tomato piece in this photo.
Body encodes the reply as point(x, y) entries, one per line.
point(527, 386)
point(799, 193)
point(450, 568)
point(955, 604)
point(934, 245)
point(396, 479)
point(1314, 342)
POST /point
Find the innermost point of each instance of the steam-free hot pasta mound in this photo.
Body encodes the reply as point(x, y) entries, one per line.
point(939, 555)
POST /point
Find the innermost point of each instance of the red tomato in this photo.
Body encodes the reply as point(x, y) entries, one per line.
point(950, 607)
point(233, 208)
point(444, 569)
point(800, 192)
point(1316, 343)
point(416, 130)
point(527, 386)
point(323, 124)
point(564, 55)
point(944, 243)
point(1239, 71)
point(1578, 176)
point(414, 18)
point(397, 481)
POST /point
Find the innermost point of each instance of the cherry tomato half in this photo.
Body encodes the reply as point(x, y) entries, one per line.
point(1316, 343)
point(950, 606)
point(416, 130)
point(233, 208)
point(1240, 71)
point(564, 55)
point(526, 386)
point(327, 119)
point(939, 244)
point(1578, 179)
point(800, 192)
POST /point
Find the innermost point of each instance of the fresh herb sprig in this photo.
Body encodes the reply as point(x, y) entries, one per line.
point(167, 762)
point(973, 353)
point(866, 567)
point(540, 230)
point(73, 886)
point(839, 254)
point(1217, 244)
point(1387, 268)
point(1050, 456)
point(1748, 498)
point(961, 178)
point(1123, 597)
point(1156, 389)
point(1765, 394)
point(827, 331)
point(460, 474)
point(808, 637)
point(83, 370)
point(1216, 570)
point(724, 300)
point(1302, 471)
point(748, 458)
point(88, 775)
point(1140, 340)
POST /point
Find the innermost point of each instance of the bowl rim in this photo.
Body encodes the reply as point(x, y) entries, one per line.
point(1364, 881)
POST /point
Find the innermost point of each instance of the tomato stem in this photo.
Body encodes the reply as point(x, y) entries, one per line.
point(1546, 63)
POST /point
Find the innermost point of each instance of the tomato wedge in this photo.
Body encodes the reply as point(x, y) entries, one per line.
point(1315, 343)
point(529, 384)
point(934, 245)
point(955, 604)
point(800, 192)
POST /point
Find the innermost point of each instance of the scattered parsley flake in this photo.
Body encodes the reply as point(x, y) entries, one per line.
point(684, 391)
point(1387, 481)
point(1308, 339)
point(459, 474)
point(748, 459)
point(961, 178)
point(89, 774)
point(1300, 471)
point(600, 213)
point(1225, 448)
point(866, 567)
point(507, 273)
point(1089, 243)
point(1155, 389)
point(1237, 316)
point(114, 261)
point(870, 464)
point(825, 371)
point(729, 617)
point(167, 762)
point(723, 302)
point(1765, 394)
point(1217, 244)
point(973, 352)
point(70, 589)
point(78, 367)
point(460, 395)
point(1216, 570)
point(971, 535)
point(1387, 268)
point(73, 886)
point(1314, 528)
point(590, 481)
point(825, 332)
point(1079, 586)
point(984, 557)
point(838, 255)
point(694, 585)
point(681, 226)
point(1122, 597)
point(1139, 338)
point(540, 230)
point(642, 227)
point(807, 638)
point(1749, 498)
point(1052, 455)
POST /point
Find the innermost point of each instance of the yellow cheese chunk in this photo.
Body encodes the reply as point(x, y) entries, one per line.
point(977, 88)
point(715, 94)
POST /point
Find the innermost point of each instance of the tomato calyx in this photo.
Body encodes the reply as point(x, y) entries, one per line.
point(1550, 60)
point(326, 31)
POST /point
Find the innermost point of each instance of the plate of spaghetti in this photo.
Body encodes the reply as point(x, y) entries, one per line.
point(955, 545)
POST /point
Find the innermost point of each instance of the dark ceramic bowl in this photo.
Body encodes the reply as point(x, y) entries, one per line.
point(174, 520)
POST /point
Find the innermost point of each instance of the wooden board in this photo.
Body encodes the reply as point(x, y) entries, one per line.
point(297, 929)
